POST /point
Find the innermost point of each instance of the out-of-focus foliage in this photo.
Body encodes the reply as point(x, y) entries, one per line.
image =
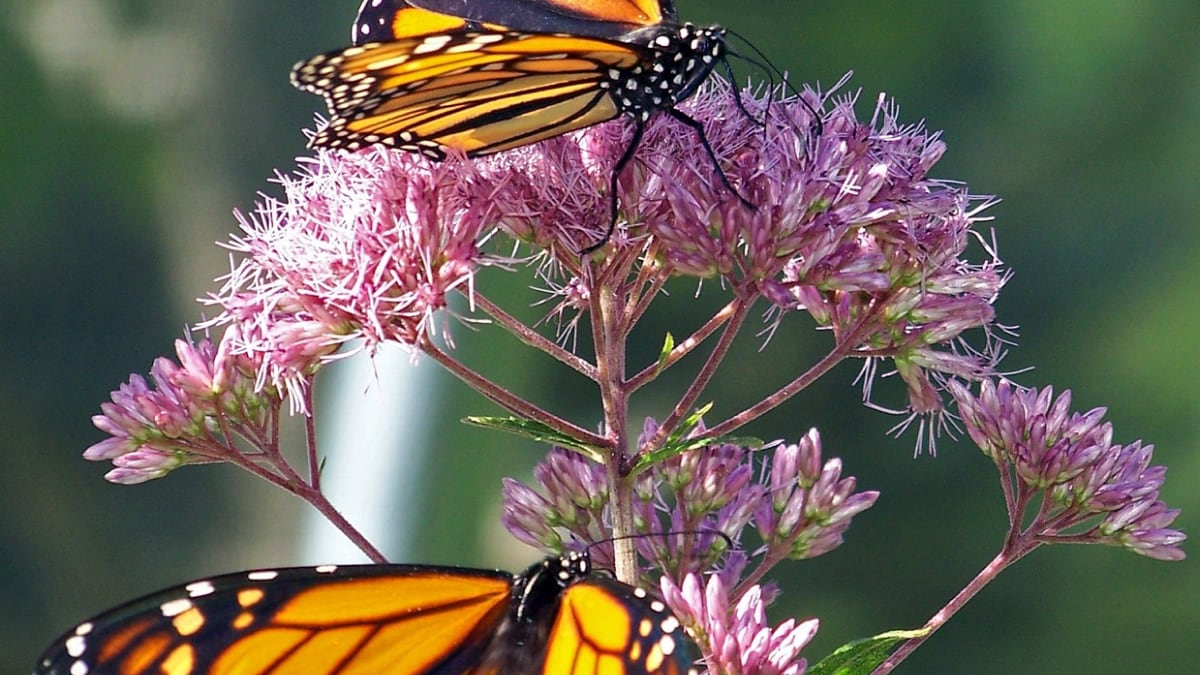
point(132, 129)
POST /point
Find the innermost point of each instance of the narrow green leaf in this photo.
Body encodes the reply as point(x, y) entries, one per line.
point(538, 432)
point(860, 657)
point(668, 346)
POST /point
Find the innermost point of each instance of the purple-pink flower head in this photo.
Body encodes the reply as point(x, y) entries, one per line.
point(683, 506)
point(849, 209)
point(808, 505)
point(1099, 492)
point(179, 417)
point(733, 633)
point(570, 505)
point(362, 245)
point(845, 222)
point(690, 510)
point(1032, 431)
point(700, 497)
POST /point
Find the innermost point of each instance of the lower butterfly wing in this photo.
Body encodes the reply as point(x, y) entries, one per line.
point(400, 620)
point(380, 20)
point(477, 93)
point(606, 628)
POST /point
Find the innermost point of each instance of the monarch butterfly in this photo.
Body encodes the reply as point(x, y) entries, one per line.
point(553, 619)
point(484, 76)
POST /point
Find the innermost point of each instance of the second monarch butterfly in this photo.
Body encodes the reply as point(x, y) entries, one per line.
point(553, 619)
point(484, 76)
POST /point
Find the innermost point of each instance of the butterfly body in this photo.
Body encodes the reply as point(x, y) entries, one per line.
point(384, 620)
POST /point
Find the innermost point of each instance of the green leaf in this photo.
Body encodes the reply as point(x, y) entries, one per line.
point(862, 656)
point(668, 346)
point(538, 432)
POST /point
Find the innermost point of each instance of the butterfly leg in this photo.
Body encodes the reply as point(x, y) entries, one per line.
point(638, 129)
point(697, 127)
point(627, 156)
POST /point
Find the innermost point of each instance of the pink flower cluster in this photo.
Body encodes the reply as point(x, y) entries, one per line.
point(1097, 491)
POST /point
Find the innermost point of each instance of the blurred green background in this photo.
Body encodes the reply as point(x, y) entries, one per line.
point(132, 128)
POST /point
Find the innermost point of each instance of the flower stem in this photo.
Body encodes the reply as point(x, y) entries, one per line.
point(317, 500)
point(621, 509)
point(310, 441)
point(696, 388)
point(534, 339)
point(1014, 549)
point(514, 404)
point(846, 344)
point(609, 337)
point(686, 346)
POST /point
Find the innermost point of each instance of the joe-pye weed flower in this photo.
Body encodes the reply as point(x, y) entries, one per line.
point(848, 227)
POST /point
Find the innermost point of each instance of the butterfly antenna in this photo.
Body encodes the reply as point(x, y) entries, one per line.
point(669, 533)
point(737, 95)
point(766, 64)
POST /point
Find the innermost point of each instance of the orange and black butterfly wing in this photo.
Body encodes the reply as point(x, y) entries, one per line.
point(603, 627)
point(477, 93)
point(399, 620)
point(380, 20)
point(565, 621)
